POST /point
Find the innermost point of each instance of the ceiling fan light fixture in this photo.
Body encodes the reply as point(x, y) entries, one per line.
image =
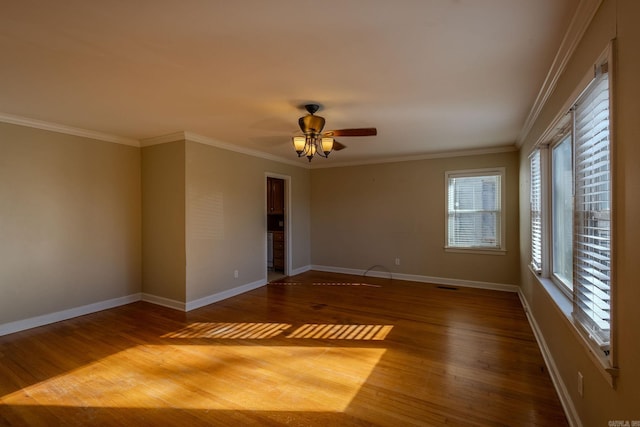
point(310, 145)
point(299, 143)
point(312, 151)
point(327, 145)
point(321, 143)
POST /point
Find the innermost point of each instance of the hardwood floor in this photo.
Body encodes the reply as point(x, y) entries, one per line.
point(314, 349)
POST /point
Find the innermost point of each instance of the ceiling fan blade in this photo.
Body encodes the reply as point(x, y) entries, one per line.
point(337, 146)
point(352, 132)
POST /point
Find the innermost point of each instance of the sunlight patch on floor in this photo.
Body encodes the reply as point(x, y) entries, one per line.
point(342, 332)
point(345, 284)
point(264, 330)
point(260, 378)
point(229, 330)
point(325, 284)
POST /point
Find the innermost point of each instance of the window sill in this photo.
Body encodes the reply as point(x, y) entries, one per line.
point(565, 307)
point(479, 251)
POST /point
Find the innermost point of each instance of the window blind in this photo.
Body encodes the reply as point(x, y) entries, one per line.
point(536, 211)
point(592, 223)
point(474, 211)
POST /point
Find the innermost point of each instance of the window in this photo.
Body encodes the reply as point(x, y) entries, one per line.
point(535, 200)
point(562, 212)
point(577, 257)
point(592, 273)
point(475, 209)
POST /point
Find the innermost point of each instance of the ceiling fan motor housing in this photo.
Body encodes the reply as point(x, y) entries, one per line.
point(311, 124)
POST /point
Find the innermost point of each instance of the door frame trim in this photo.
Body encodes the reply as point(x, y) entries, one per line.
point(287, 220)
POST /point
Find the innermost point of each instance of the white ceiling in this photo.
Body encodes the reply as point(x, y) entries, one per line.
point(432, 75)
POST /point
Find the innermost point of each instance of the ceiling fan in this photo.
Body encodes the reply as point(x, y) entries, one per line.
point(315, 141)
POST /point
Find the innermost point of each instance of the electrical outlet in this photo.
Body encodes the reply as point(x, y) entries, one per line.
point(235, 274)
point(580, 384)
point(397, 260)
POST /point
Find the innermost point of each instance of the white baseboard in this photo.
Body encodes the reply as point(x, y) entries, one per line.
point(201, 302)
point(46, 319)
point(560, 386)
point(300, 270)
point(164, 302)
point(418, 278)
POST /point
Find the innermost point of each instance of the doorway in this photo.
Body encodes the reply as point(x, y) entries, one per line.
point(277, 191)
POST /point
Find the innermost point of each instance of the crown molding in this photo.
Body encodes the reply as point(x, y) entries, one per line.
point(582, 17)
point(146, 142)
point(69, 130)
point(194, 137)
point(163, 139)
point(438, 155)
point(190, 136)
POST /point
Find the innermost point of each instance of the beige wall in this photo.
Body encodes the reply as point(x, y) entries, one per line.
point(600, 403)
point(85, 221)
point(72, 214)
point(163, 221)
point(69, 222)
point(204, 216)
point(364, 216)
point(226, 218)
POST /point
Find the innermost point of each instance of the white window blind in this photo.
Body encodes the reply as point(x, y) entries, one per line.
point(592, 223)
point(474, 210)
point(536, 211)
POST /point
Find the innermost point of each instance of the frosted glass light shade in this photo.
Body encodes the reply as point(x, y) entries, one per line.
point(298, 144)
point(327, 145)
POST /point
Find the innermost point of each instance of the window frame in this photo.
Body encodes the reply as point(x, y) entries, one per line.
point(585, 195)
point(500, 249)
point(605, 357)
point(536, 211)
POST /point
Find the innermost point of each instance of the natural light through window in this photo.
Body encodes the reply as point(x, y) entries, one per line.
point(229, 330)
point(345, 284)
point(475, 210)
point(342, 332)
point(285, 378)
point(327, 284)
point(259, 331)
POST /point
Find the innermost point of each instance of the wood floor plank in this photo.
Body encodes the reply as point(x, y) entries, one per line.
point(313, 349)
